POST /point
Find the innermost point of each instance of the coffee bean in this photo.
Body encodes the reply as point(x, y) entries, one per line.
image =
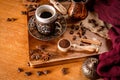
point(74, 38)
point(20, 70)
point(80, 23)
point(65, 71)
point(28, 73)
point(28, 64)
point(46, 71)
point(39, 73)
point(72, 27)
point(76, 27)
point(71, 32)
point(9, 19)
point(24, 12)
point(83, 30)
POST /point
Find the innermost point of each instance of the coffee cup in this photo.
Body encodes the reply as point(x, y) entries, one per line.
point(45, 18)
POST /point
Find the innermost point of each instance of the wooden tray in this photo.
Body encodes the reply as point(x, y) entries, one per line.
point(59, 57)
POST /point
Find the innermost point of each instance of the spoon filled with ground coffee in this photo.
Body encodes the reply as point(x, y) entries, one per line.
point(64, 45)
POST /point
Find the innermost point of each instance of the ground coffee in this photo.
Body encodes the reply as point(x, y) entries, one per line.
point(64, 43)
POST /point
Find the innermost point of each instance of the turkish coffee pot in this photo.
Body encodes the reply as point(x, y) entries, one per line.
point(77, 9)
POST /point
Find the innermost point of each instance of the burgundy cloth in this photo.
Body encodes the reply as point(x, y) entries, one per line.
point(109, 65)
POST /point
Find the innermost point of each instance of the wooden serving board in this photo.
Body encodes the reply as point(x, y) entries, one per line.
point(59, 57)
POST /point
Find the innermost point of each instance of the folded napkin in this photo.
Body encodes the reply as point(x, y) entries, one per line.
point(109, 65)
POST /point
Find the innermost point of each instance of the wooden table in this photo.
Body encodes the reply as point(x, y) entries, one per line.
point(14, 48)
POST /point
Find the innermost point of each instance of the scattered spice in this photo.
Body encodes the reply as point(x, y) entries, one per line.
point(41, 47)
point(65, 71)
point(101, 28)
point(28, 73)
point(93, 21)
point(31, 52)
point(45, 56)
point(20, 70)
point(35, 56)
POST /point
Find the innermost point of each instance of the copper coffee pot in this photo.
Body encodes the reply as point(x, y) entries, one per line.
point(77, 10)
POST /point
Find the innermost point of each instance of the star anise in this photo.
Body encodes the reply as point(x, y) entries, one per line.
point(45, 56)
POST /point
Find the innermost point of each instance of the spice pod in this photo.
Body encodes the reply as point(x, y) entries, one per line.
point(89, 68)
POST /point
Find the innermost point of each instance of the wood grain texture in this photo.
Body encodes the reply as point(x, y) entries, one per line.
point(14, 48)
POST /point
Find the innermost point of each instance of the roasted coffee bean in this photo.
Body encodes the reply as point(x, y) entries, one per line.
point(83, 30)
point(24, 12)
point(74, 38)
point(72, 27)
point(65, 71)
point(39, 73)
point(28, 64)
point(46, 71)
point(78, 33)
point(71, 32)
point(28, 73)
point(92, 21)
point(31, 8)
point(13, 19)
point(96, 24)
point(20, 70)
point(76, 27)
point(80, 23)
point(9, 19)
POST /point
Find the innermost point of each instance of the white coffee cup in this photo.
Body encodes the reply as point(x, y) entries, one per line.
point(45, 8)
point(45, 18)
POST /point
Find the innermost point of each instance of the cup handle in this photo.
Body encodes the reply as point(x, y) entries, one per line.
point(59, 27)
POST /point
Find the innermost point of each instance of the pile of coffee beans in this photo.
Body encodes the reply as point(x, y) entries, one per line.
point(64, 71)
point(11, 19)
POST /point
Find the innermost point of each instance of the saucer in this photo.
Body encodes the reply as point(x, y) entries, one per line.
point(32, 27)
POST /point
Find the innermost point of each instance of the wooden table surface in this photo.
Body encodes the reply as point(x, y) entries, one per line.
point(14, 48)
